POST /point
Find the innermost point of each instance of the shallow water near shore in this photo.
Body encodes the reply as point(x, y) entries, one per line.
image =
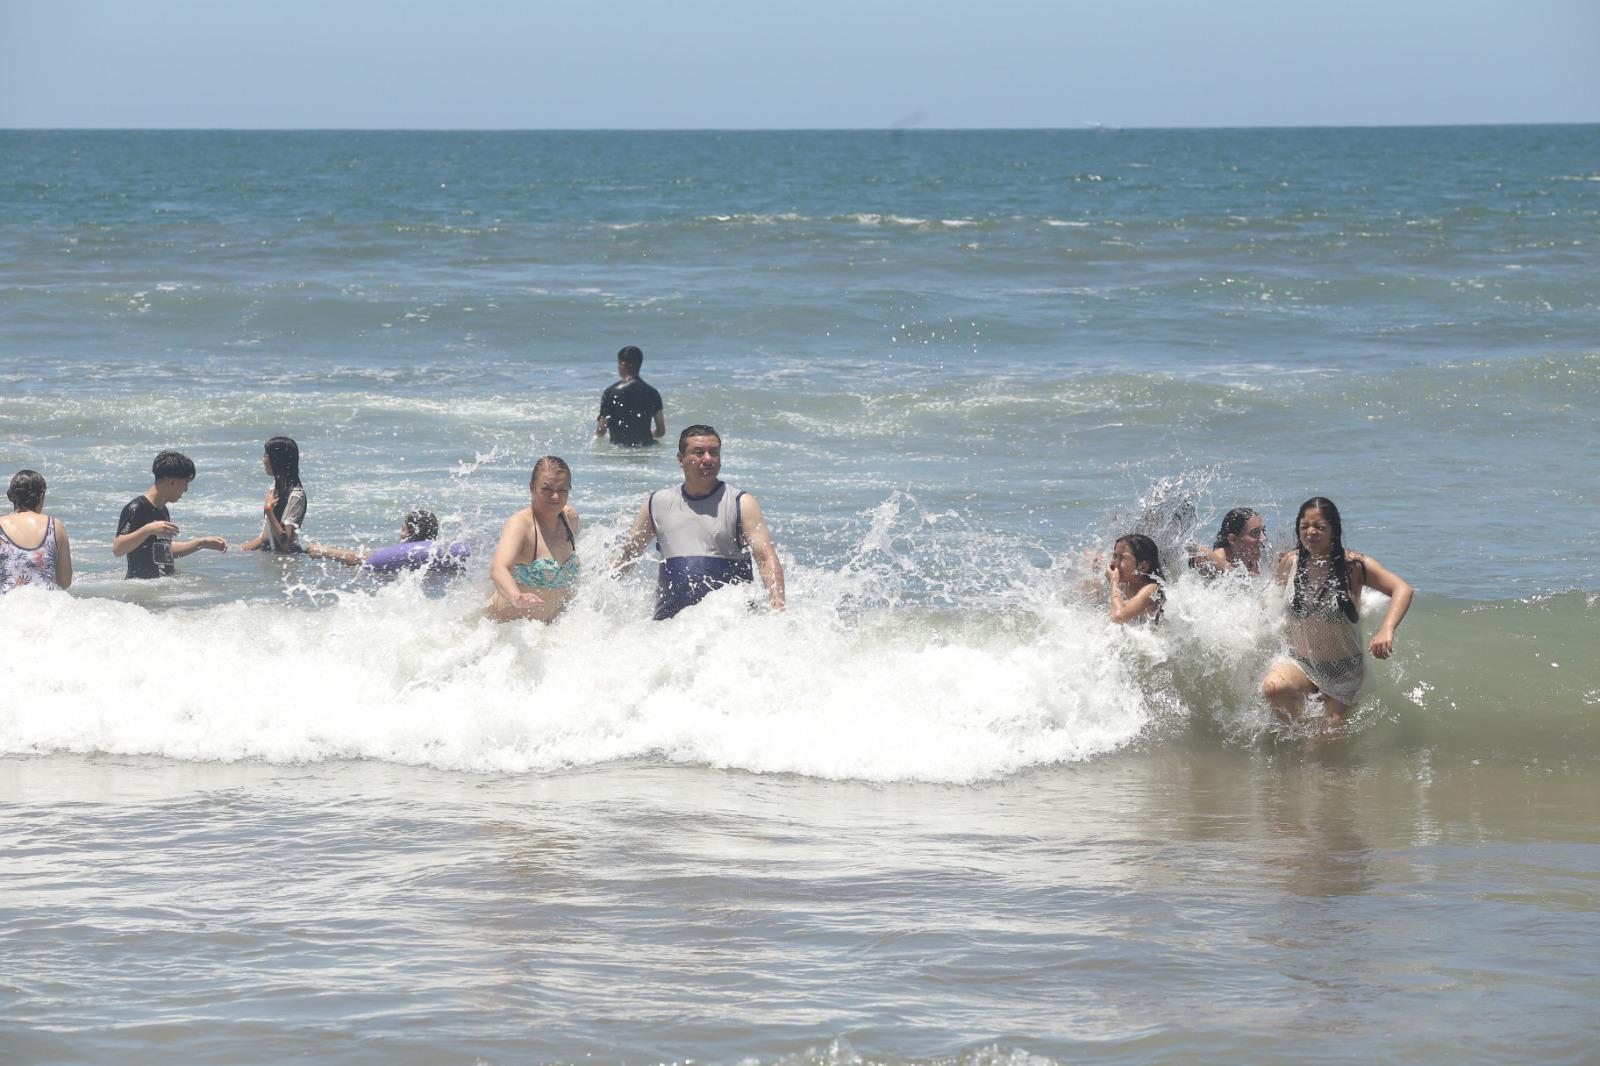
point(1183, 905)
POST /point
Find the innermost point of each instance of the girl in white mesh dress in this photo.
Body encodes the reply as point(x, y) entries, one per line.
point(1322, 584)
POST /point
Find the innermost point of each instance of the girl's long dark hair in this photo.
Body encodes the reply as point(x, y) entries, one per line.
point(284, 455)
point(1144, 550)
point(1233, 524)
point(1341, 568)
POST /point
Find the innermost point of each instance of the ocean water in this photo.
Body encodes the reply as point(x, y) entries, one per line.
point(940, 810)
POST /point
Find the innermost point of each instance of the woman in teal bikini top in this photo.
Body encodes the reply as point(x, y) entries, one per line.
point(526, 586)
point(547, 573)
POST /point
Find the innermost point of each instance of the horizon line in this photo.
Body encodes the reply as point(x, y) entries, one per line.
point(1083, 128)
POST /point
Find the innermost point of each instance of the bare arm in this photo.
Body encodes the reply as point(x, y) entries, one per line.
point(1139, 604)
point(63, 556)
point(338, 555)
point(1399, 592)
point(512, 534)
point(600, 426)
point(1285, 567)
point(282, 533)
point(644, 527)
point(661, 423)
point(180, 548)
point(124, 543)
point(754, 528)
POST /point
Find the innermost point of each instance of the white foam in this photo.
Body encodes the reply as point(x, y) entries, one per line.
point(881, 694)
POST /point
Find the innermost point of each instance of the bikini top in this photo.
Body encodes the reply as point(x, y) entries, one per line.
point(547, 573)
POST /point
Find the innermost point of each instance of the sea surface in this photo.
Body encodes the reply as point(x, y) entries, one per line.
point(939, 811)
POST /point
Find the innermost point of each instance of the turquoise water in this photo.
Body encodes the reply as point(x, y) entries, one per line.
point(948, 364)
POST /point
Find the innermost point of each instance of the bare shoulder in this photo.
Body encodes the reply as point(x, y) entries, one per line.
point(572, 515)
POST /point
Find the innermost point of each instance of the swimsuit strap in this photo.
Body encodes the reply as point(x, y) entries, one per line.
point(562, 516)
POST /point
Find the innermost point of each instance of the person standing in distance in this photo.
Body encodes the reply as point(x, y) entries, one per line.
point(707, 531)
point(629, 405)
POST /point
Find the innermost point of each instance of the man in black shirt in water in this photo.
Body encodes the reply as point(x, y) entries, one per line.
point(627, 407)
point(145, 532)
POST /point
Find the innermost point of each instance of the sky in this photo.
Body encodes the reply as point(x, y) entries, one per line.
point(717, 64)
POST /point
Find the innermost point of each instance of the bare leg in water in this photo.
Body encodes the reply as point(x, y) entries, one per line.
point(1286, 687)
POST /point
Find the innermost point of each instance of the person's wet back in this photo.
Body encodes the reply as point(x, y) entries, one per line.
point(34, 549)
point(631, 411)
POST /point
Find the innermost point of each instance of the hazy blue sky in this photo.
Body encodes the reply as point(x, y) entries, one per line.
point(493, 64)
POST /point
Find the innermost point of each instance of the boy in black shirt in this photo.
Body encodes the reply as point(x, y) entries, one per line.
point(627, 407)
point(145, 530)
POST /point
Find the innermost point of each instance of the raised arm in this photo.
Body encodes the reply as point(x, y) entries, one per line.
point(756, 534)
point(1399, 592)
point(284, 530)
point(644, 527)
point(1139, 604)
point(1284, 568)
point(123, 543)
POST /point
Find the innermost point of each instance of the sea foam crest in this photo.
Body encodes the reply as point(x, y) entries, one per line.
point(876, 694)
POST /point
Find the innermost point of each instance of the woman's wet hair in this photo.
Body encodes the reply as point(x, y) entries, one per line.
point(550, 462)
point(422, 525)
point(284, 456)
point(27, 490)
point(1341, 569)
point(172, 464)
point(1233, 524)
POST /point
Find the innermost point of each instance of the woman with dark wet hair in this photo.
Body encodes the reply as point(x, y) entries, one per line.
point(1238, 545)
point(1323, 582)
point(34, 549)
point(284, 511)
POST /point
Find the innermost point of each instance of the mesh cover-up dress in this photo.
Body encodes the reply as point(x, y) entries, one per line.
point(1323, 641)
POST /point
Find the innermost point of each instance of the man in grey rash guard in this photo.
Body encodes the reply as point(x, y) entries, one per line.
point(707, 531)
